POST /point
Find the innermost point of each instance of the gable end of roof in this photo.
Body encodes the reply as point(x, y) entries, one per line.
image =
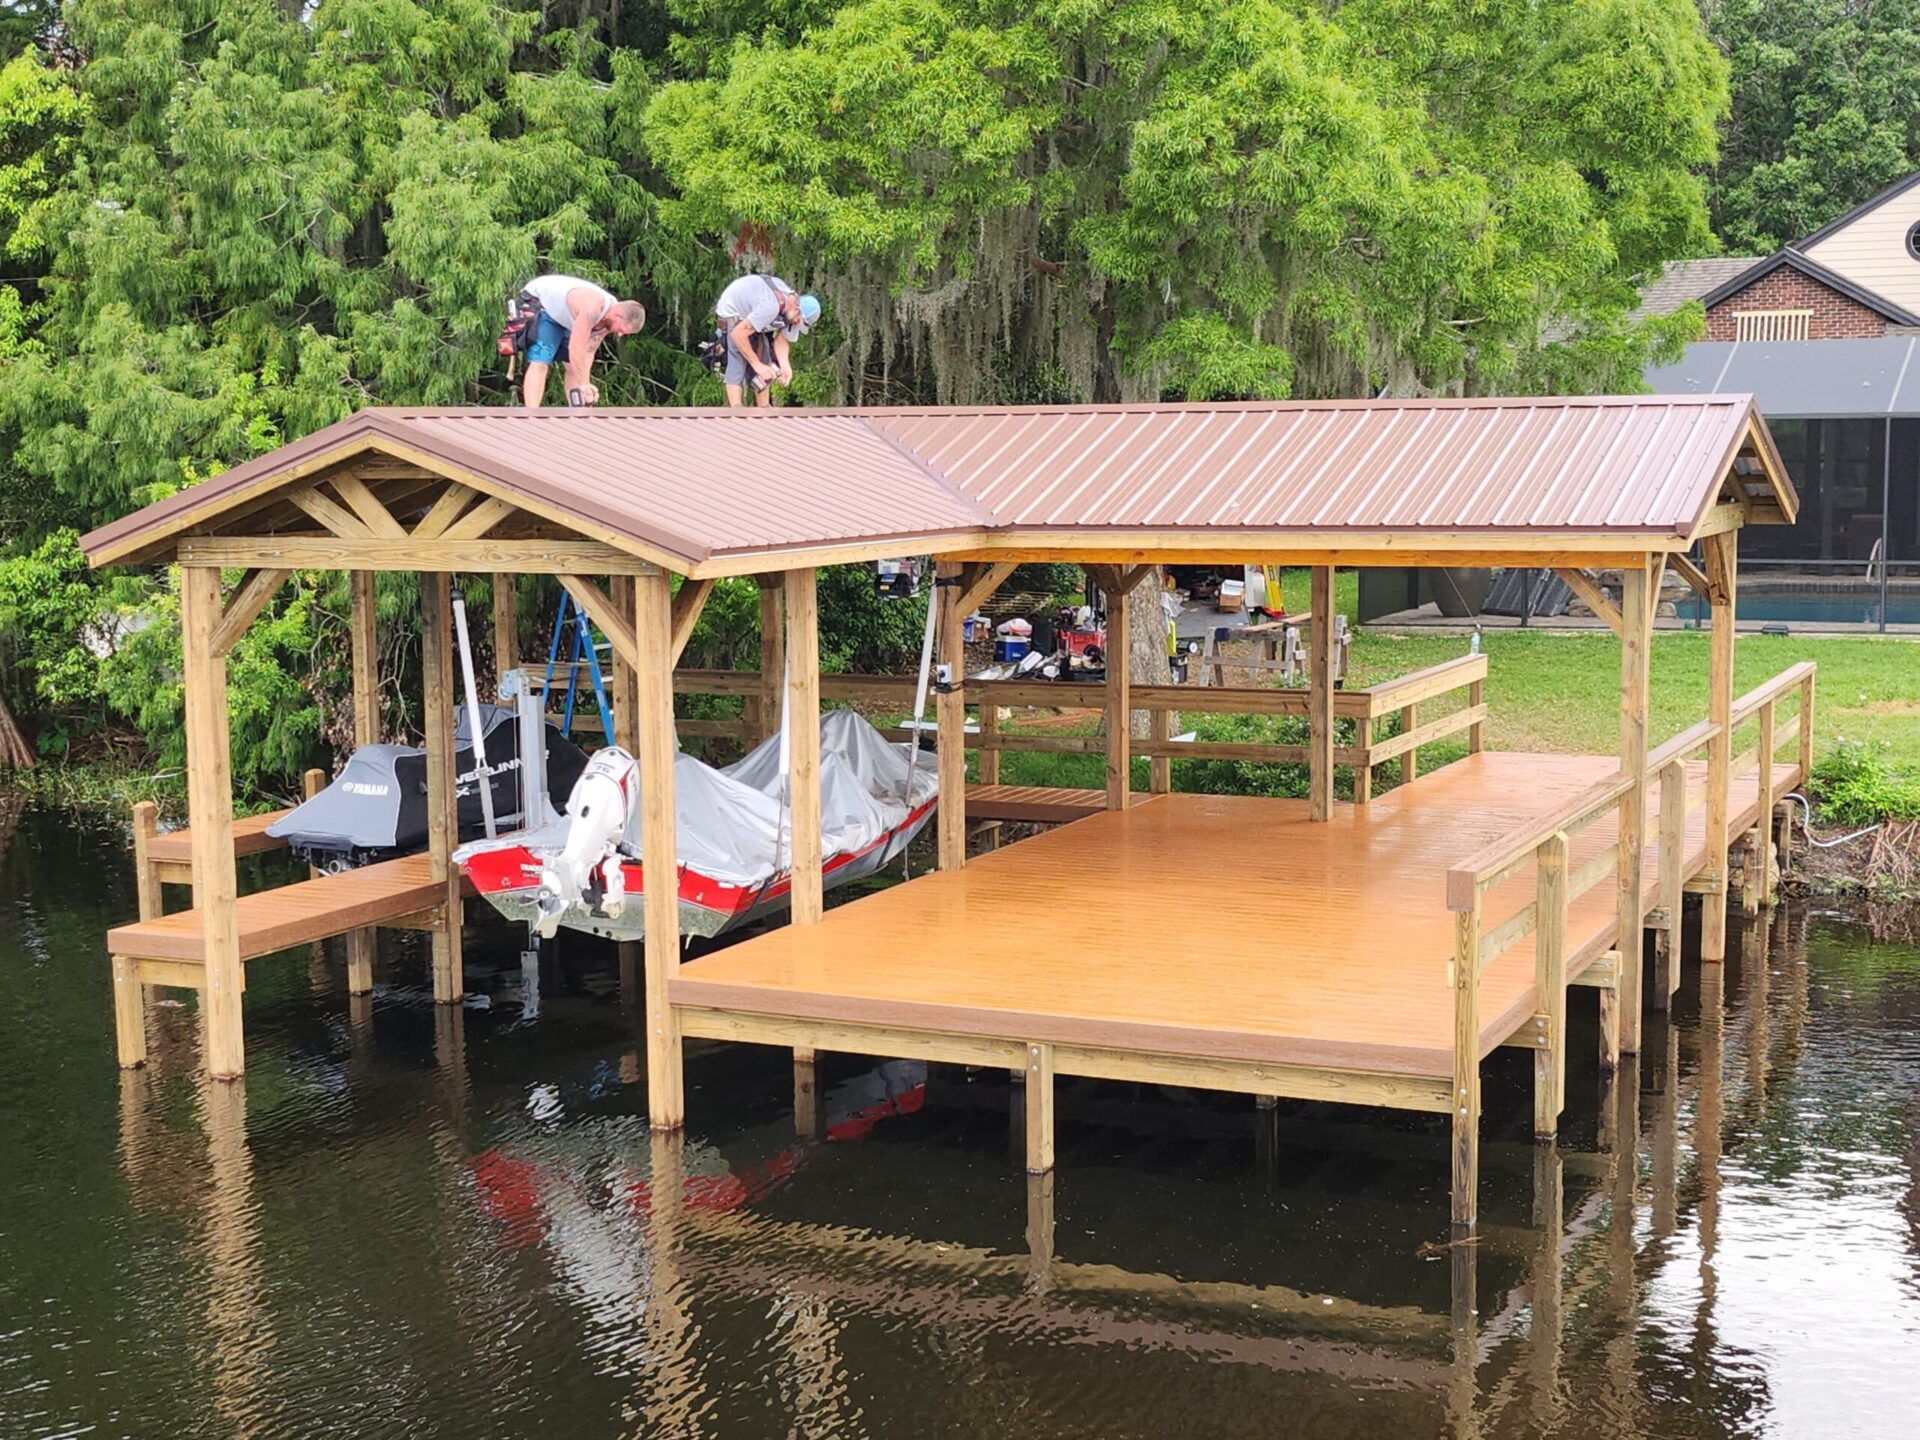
point(1816, 272)
point(1872, 203)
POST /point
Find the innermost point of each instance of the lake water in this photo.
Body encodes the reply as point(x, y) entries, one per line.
point(410, 1221)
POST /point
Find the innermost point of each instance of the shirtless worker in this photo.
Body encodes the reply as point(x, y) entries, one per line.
point(575, 316)
point(762, 316)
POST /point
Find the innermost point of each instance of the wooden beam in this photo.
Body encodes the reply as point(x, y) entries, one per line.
point(443, 556)
point(1119, 701)
point(364, 642)
point(1722, 518)
point(625, 694)
point(1320, 680)
point(365, 504)
point(603, 612)
point(210, 820)
point(1692, 574)
point(1596, 599)
point(1672, 873)
point(983, 583)
point(803, 742)
point(1634, 691)
point(448, 508)
point(331, 515)
point(688, 602)
point(250, 597)
point(129, 1014)
point(1466, 1060)
point(659, 848)
point(950, 708)
point(478, 521)
point(1720, 555)
point(436, 718)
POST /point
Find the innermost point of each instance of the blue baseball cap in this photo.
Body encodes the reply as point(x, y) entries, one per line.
point(809, 312)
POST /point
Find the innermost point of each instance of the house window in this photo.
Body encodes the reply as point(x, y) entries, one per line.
point(1771, 324)
point(1913, 240)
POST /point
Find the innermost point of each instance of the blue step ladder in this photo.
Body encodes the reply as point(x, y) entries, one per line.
point(572, 620)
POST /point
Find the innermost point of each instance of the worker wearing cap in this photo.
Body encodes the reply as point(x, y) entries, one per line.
point(575, 317)
point(761, 316)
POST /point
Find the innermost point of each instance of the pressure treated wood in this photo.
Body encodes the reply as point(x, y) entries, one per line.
point(653, 629)
point(1173, 955)
point(210, 816)
point(950, 711)
point(436, 668)
point(175, 847)
point(803, 730)
point(268, 921)
point(1722, 579)
point(1035, 804)
point(1322, 659)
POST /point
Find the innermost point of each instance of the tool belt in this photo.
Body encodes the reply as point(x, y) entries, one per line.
point(516, 336)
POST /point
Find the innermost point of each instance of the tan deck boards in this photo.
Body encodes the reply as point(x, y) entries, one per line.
point(271, 920)
point(175, 847)
point(1216, 926)
point(1035, 804)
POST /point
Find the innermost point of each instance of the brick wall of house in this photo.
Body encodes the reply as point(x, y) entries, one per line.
point(1835, 316)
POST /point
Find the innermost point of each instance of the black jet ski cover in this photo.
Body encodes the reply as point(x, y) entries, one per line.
point(376, 808)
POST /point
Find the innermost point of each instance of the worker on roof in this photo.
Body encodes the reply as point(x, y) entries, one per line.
point(760, 318)
point(575, 317)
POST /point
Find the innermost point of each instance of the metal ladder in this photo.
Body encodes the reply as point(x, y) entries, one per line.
point(572, 620)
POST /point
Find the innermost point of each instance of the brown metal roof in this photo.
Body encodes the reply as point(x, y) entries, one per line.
point(691, 486)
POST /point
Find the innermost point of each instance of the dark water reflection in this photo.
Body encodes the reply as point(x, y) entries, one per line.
point(419, 1221)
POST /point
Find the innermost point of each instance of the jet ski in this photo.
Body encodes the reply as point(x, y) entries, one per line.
point(376, 808)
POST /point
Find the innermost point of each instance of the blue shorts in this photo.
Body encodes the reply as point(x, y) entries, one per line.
point(549, 339)
point(738, 371)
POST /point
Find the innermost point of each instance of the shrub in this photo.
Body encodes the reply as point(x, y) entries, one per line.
point(1854, 787)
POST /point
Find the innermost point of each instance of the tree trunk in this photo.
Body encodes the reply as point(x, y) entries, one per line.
point(15, 753)
point(1147, 644)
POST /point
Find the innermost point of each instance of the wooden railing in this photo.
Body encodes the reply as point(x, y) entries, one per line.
point(1544, 847)
point(1402, 697)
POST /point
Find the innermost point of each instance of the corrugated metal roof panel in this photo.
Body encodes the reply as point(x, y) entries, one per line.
point(694, 484)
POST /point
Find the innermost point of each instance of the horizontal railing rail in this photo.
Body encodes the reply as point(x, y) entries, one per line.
point(1365, 708)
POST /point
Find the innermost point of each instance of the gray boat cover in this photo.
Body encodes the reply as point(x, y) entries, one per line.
point(732, 822)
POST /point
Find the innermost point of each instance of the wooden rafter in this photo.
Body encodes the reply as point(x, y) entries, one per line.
point(603, 612)
point(1582, 585)
point(365, 504)
point(335, 517)
point(249, 598)
point(1725, 516)
point(480, 519)
point(367, 552)
point(688, 602)
point(447, 509)
point(979, 582)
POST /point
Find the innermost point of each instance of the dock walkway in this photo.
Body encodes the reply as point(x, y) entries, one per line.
point(1219, 941)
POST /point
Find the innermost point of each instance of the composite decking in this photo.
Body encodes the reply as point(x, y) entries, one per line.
point(1201, 927)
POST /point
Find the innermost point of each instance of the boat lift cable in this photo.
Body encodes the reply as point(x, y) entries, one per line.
point(482, 772)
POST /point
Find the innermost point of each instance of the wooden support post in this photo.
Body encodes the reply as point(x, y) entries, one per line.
point(1476, 732)
point(1363, 772)
point(312, 782)
point(989, 753)
point(1160, 768)
point(1320, 675)
point(506, 626)
point(1805, 757)
point(1039, 1230)
point(1550, 981)
point(659, 845)
point(1119, 702)
point(1673, 851)
point(364, 644)
point(764, 708)
point(803, 741)
point(1636, 610)
point(1760, 842)
point(363, 639)
point(146, 879)
point(1720, 558)
point(129, 1014)
point(806, 1094)
point(1039, 1096)
point(1410, 761)
point(626, 730)
point(210, 816)
point(436, 718)
point(951, 714)
point(1610, 1020)
point(1466, 1040)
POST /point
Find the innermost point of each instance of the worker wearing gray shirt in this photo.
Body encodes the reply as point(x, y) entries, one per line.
point(761, 316)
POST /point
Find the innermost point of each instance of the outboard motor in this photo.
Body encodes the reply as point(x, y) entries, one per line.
point(602, 802)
